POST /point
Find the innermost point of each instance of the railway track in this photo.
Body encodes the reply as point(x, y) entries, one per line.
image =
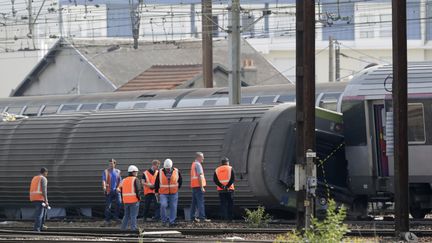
point(114, 232)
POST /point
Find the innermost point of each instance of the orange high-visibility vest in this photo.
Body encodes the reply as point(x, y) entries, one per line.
point(36, 189)
point(223, 174)
point(128, 190)
point(195, 177)
point(149, 181)
point(171, 186)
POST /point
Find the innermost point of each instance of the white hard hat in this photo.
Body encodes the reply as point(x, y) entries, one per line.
point(168, 164)
point(133, 168)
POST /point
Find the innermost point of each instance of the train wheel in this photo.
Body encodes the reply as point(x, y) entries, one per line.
point(419, 213)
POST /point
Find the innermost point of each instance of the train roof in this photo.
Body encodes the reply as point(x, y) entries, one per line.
point(376, 82)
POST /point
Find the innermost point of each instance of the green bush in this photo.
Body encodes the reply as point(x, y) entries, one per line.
point(331, 229)
point(257, 218)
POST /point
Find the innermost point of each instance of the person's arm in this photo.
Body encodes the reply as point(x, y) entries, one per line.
point(44, 189)
point(200, 172)
point(137, 188)
point(180, 180)
point(232, 179)
point(157, 184)
point(119, 178)
point(143, 179)
point(104, 181)
point(216, 180)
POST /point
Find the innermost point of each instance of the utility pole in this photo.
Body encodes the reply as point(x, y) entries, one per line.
point(305, 110)
point(234, 56)
point(135, 15)
point(60, 16)
point(30, 23)
point(337, 51)
point(207, 43)
point(192, 19)
point(400, 106)
point(331, 60)
point(266, 20)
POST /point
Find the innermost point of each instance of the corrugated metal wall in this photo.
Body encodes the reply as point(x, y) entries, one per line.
point(75, 148)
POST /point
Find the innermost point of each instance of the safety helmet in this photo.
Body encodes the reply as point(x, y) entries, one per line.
point(168, 164)
point(133, 168)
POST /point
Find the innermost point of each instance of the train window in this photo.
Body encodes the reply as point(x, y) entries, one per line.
point(328, 104)
point(286, 98)
point(416, 128)
point(265, 99)
point(329, 101)
point(88, 107)
point(140, 105)
point(68, 108)
point(209, 102)
point(50, 109)
point(31, 111)
point(247, 100)
point(14, 110)
point(107, 106)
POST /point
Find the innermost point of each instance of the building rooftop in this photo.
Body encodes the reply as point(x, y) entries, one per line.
point(159, 77)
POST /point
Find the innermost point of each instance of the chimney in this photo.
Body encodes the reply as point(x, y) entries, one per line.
point(249, 74)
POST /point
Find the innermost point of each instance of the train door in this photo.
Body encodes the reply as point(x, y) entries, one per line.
point(379, 143)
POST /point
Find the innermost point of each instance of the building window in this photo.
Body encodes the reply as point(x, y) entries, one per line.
point(385, 26)
point(215, 25)
point(248, 23)
point(31, 111)
point(416, 127)
point(367, 26)
point(50, 109)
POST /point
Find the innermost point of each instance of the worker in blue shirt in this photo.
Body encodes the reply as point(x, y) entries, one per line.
point(110, 180)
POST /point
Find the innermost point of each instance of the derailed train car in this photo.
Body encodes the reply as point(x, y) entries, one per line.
point(368, 121)
point(259, 140)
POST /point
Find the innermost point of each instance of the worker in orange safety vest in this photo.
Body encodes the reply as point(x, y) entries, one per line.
point(198, 183)
point(129, 189)
point(168, 182)
point(39, 198)
point(150, 197)
point(224, 179)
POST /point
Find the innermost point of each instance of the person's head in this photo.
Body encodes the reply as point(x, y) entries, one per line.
point(155, 164)
point(168, 164)
point(112, 163)
point(199, 156)
point(133, 170)
point(44, 171)
point(225, 161)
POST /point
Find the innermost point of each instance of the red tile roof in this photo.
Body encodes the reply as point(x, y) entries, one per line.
point(162, 77)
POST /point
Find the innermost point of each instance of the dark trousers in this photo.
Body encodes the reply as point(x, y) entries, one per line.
point(226, 204)
point(112, 196)
point(197, 203)
point(40, 214)
point(149, 200)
